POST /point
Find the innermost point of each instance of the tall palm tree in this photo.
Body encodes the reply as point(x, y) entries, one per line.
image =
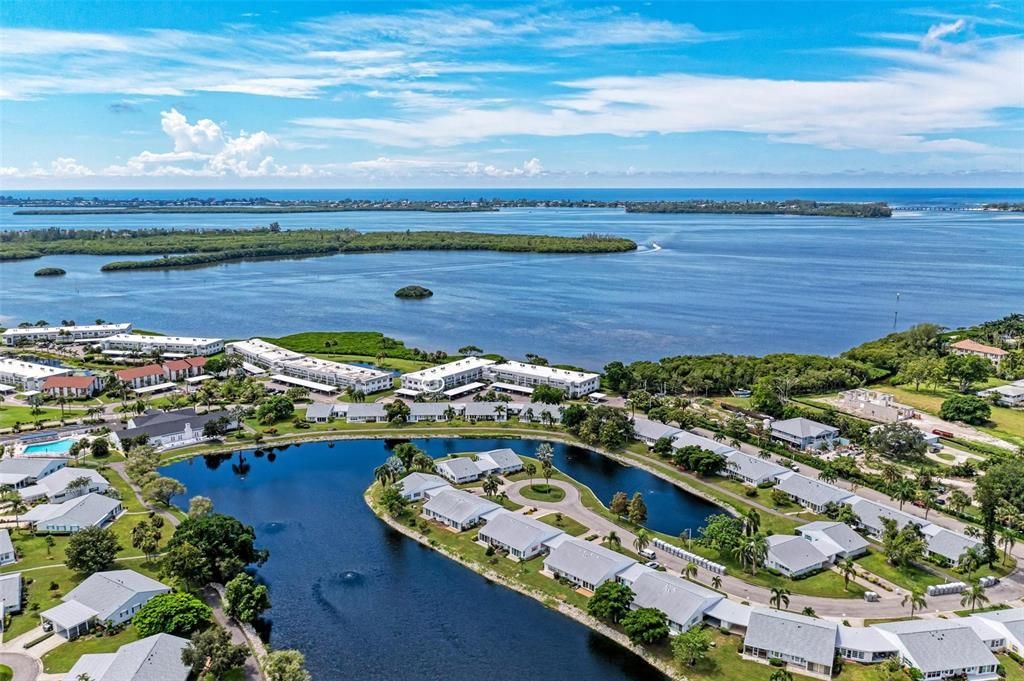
point(1007, 540)
point(927, 499)
point(545, 452)
point(751, 522)
point(716, 582)
point(904, 491)
point(491, 485)
point(383, 474)
point(779, 598)
point(972, 531)
point(500, 409)
point(758, 551)
point(614, 539)
point(690, 571)
point(974, 596)
point(530, 469)
point(915, 599)
point(828, 475)
point(891, 474)
point(969, 561)
point(642, 540)
point(848, 569)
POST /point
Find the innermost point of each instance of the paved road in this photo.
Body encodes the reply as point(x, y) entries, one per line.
point(839, 608)
point(25, 667)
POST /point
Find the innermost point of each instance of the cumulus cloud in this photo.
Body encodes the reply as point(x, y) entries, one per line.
point(409, 167)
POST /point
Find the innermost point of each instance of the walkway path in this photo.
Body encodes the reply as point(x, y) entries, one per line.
point(839, 608)
point(118, 467)
point(213, 597)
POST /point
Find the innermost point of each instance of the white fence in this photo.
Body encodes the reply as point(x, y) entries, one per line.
point(943, 589)
point(699, 561)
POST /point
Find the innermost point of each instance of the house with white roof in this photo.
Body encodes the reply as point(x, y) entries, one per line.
point(485, 411)
point(459, 509)
point(1007, 395)
point(811, 493)
point(27, 375)
point(505, 460)
point(752, 470)
point(19, 472)
point(155, 658)
point(804, 644)
point(63, 334)
point(573, 383)
point(687, 439)
point(682, 601)
point(459, 470)
point(538, 412)
point(730, 615)
point(7, 553)
point(429, 411)
point(66, 483)
point(416, 486)
point(74, 515)
point(181, 345)
point(941, 649)
point(366, 412)
point(322, 412)
point(446, 376)
point(804, 433)
point(835, 540)
point(649, 432)
point(946, 546)
point(871, 513)
point(1009, 623)
point(521, 537)
point(11, 591)
point(794, 556)
point(585, 564)
point(113, 596)
point(864, 644)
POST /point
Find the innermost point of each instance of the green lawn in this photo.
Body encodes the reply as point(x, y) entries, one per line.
point(909, 578)
point(40, 597)
point(504, 502)
point(567, 524)
point(32, 551)
point(882, 620)
point(1014, 672)
point(541, 492)
point(63, 657)
point(723, 663)
point(130, 502)
point(404, 365)
point(6, 673)
point(988, 608)
point(9, 415)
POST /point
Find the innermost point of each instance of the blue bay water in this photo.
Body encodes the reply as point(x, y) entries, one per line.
point(699, 284)
point(364, 602)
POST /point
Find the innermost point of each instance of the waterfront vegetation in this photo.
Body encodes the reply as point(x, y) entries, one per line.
point(413, 292)
point(187, 248)
point(789, 207)
point(50, 272)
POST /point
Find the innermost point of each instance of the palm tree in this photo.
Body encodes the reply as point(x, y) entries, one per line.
point(972, 531)
point(614, 539)
point(491, 485)
point(758, 551)
point(809, 612)
point(450, 413)
point(974, 596)
point(530, 469)
point(904, 491)
point(545, 452)
point(891, 474)
point(383, 474)
point(969, 562)
point(958, 500)
point(690, 571)
point(927, 499)
point(751, 522)
point(499, 410)
point(848, 569)
point(780, 598)
point(915, 599)
point(828, 475)
point(1007, 540)
point(642, 540)
point(716, 582)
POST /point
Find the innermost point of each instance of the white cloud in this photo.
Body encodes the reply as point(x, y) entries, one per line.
point(69, 167)
point(384, 166)
point(203, 137)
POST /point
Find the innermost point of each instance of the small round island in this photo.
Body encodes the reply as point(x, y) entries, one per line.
point(50, 272)
point(413, 292)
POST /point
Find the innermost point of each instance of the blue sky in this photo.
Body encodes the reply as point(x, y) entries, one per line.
point(294, 94)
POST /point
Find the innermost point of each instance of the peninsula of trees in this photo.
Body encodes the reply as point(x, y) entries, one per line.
point(262, 205)
point(186, 248)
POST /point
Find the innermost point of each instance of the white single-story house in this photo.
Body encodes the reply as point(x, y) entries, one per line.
point(946, 545)
point(58, 487)
point(1010, 623)
point(870, 514)
point(459, 470)
point(804, 433)
point(687, 439)
point(7, 553)
point(415, 486)
point(25, 471)
point(683, 602)
point(726, 614)
point(459, 509)
point(794, 556)
point(585, 564)
point(941, 649)
point(649, 432)
point(428, 411)
point(176, 428)
point(752, 470)
point(805, 644)
point(155, 658)
point(538, 412)
point(811, 493)
point(74, 515)
point(320, 412)
point(505, 460)
point(864, 644)
point(367, 412)
point(520, 536)
point(113, 596)
point(835, 540)
point(1006, 395)
point(11, 591)
point(485, 411)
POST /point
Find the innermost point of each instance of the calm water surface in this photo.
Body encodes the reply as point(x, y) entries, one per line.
point(363, 601)
point(700, 284)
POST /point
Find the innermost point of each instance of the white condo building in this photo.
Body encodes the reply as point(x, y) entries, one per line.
point(445, 376)
point(36, 334)
point(574, 383)
point(311, 369)
point(184, 345)
point(27, 375)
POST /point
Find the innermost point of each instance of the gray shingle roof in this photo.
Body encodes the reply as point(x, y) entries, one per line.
point(106, 592)
point(871, 514)
point(938, 645)
point(171, 422)
point(801, 428)
point(586, 561)
point(319, 410)
point(796, 554)
point(459, 467)
point(30, 466)
point(647, 429)
point(10, 591)
point(1012, 619)
point(366, 409)
point(504, 458)
point(679, 599)
point(687, 439)
point(6, 545)
point(792, 634)
point(156, 658)
point(946, 543)
point(459, 506)
point(811, 491)
point(428, 408)
point(518, 531)
point(84, 511)
point(840, 534)
point(418, 482)
point(753, 467)
point(483, 408)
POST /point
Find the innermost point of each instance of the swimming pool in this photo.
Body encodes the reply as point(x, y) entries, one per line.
point(55, 447)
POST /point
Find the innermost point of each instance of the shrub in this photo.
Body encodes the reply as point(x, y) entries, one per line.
point(776, 662)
